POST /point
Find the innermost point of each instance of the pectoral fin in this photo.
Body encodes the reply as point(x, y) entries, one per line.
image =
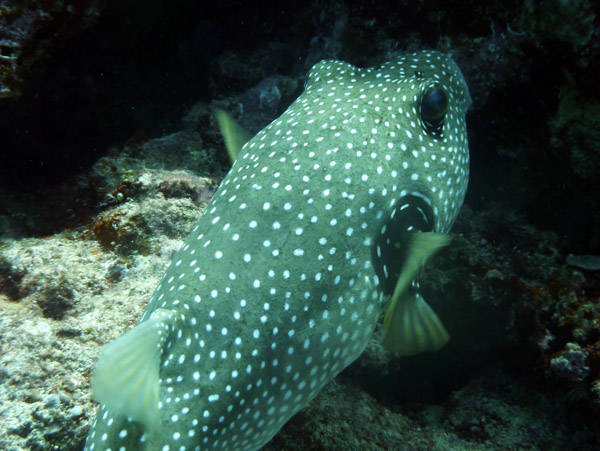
point(126, 379)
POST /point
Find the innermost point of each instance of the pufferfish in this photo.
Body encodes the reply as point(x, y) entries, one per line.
point(322, 224)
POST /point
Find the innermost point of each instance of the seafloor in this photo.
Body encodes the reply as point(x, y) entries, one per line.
point(109, 154)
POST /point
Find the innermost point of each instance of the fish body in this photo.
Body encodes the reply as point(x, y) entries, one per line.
point(280, 285)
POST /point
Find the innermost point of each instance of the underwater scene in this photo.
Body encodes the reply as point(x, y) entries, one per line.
point(320, 225)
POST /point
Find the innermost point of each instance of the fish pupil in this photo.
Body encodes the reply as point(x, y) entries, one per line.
point(434, 105)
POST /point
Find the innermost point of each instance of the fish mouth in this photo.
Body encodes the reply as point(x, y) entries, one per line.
point(412, 213)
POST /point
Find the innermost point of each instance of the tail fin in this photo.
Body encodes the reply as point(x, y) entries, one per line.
point(414, 327)
point(126, 379)
point(411, 326)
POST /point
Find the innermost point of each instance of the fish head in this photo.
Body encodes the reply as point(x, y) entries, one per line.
point(404, 132)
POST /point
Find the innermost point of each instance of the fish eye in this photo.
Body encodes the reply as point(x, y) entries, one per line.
point(433, 108)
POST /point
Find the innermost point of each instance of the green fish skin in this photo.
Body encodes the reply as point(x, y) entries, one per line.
point(325, 219)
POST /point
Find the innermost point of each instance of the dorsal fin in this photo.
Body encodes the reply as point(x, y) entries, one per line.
point(233, 134)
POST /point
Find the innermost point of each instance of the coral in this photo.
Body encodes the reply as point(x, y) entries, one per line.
point(570, 363)
point(145, 198)
point(169, 207)
point(183, 184)
point(266, 100)
point(589, 262)
point(121, 229)
point(575, 128)
point(57, 298)
point(566, 20)
point(30, 29)
point(10, 279)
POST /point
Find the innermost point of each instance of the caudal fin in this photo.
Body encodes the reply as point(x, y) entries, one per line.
point(414, 327)
point(410, 325)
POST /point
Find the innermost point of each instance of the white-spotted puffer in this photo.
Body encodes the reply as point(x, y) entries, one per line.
point(325, 219)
